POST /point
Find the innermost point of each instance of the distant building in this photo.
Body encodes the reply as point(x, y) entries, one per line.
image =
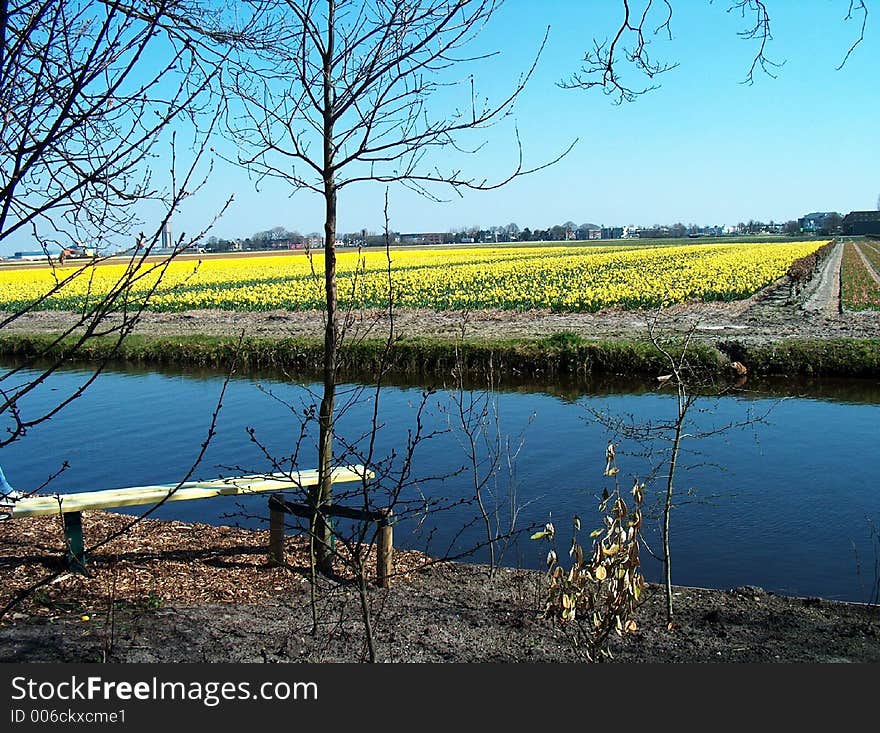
point(612, 232)
point(656, 232)
point(423, 238)
point(167, 240)
point(588, 231)
point(30, 256)
point(815, 222)
point(861, 222)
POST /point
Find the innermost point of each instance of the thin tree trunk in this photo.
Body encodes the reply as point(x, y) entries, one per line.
point(366, 614)
point(667, 509)
point(321, 530)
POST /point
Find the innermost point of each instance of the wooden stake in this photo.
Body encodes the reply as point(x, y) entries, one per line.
point(385, 549)
point(76, 553)
point(276, 529)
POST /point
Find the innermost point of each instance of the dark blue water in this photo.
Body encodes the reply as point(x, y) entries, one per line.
point(784, 503)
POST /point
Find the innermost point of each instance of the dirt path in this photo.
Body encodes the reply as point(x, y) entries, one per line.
point(825, 298)
point(754, 320)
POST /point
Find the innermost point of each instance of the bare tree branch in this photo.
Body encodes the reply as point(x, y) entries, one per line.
point(628, 46)
point(89, 91)
point(759, 31)
point(600, 64)
point(863, 9)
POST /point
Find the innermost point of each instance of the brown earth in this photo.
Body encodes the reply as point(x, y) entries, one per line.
point(174, 592)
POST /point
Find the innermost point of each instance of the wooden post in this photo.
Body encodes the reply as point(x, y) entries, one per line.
point(76, 552)
point(385, 549)
point(276, 529)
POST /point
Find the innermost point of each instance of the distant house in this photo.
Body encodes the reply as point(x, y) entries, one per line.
point(815, 222)
point(589, 231)
point(423, 238)
point(861, 222)
point(612, 232)
point(30, 256)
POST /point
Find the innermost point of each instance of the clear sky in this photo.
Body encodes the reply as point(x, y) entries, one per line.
point(703, 148)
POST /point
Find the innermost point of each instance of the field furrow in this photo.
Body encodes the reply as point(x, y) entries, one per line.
point(860, 289)
point(871, 252)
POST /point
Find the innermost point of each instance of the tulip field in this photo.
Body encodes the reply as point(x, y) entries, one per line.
point(558, 278)
point(860, 276)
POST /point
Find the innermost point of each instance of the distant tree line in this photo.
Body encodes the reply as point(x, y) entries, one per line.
point(281, 238)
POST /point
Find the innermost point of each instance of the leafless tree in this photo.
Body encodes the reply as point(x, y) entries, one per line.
point(391, 484)
point(691, 383)
point(629, 45)
point(95, 97)
point(600, 64)
point(352, 96)
point(92, 93)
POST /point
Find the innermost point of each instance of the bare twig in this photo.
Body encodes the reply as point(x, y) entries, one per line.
point(855, 6)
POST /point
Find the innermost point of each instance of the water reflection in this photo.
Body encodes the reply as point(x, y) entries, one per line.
point(566, 388)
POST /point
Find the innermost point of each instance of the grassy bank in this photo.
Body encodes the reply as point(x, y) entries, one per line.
point(561, 355)
point(809, 357)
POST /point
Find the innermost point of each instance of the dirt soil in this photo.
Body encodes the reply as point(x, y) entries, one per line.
point(771, 314)
point(175, 592)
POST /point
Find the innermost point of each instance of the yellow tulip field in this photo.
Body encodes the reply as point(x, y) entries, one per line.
point(563, 279)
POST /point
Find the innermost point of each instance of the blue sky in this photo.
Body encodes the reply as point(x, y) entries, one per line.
point(702, 148)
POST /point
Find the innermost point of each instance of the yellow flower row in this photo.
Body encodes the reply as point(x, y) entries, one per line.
point(569, 278)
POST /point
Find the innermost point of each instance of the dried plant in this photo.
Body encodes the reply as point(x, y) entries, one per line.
point(600, 592)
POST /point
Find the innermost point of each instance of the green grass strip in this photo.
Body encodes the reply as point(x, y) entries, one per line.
point(564, 354)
